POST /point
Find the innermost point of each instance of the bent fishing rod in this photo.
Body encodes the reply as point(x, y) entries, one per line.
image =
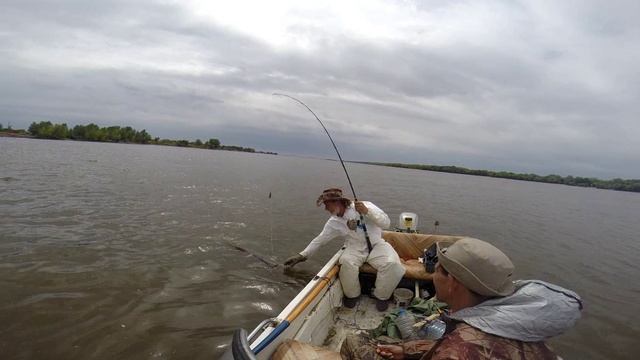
point(355, 198)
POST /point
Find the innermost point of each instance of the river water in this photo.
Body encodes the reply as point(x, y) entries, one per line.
point(125, 251)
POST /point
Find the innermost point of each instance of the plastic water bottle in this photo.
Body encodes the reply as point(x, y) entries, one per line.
point(433, 331)
point(405, 322)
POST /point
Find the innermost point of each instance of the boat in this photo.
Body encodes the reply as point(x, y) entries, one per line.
point(316, 317)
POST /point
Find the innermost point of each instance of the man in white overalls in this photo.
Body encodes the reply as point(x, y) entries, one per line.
point(344, 223)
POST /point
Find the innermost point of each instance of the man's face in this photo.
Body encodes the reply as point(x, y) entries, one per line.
point(334, 207)
point(442, 283)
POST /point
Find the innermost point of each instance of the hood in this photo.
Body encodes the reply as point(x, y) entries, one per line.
point(534, 312)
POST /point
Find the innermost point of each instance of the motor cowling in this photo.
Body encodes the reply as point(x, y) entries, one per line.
point(407, 222)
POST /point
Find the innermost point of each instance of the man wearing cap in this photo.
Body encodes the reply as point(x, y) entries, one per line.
point(360, 247)
point(490, 316)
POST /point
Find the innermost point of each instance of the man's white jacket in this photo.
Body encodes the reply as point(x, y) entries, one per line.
point(336, 227)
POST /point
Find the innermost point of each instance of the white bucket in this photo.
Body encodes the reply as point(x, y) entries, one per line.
point(402, 297)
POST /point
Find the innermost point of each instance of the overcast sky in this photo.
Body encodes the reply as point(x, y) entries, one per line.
point(529, 86)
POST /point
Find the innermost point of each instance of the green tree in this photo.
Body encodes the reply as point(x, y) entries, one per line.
point(78, 132)
point(142, 137)
point(128, 134)
point(59, 131)
point(198, 143)
point(213, 144)
point(93, 133)
point(43, 129)
point(34, 128)
point(113, 133)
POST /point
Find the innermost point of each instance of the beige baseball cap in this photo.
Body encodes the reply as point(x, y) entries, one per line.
point(478, 265)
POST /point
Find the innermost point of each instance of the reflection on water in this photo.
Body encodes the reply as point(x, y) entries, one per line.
point(129, 251)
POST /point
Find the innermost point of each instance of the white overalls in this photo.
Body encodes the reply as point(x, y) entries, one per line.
point(382, 257)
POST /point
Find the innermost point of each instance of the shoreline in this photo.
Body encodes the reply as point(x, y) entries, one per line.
point(23, 135)
point(617, 184)
point(16, 135)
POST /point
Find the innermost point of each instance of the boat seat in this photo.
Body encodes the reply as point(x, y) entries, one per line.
point(409, 247)
point(294, 350)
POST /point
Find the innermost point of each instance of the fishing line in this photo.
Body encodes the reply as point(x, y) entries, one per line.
point(355, 198)
point(271, 224)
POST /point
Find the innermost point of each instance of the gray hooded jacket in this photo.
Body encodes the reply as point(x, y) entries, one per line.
point(534, 312)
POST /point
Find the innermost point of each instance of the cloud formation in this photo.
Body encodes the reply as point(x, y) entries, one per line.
point(543, 87)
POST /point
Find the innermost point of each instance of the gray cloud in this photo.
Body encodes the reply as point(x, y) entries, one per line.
point(550, 88)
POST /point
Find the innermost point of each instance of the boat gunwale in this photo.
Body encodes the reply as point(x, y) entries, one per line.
point(299, 304)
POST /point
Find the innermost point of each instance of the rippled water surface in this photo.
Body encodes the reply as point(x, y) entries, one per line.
point(127, 251)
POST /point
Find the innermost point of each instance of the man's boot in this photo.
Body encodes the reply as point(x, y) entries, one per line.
point(382, 305)
point(349, 302)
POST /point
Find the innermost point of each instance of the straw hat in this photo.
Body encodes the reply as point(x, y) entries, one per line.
point(330, 194)
point(478, 265)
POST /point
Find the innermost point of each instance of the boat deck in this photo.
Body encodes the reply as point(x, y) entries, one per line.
point(362, 317)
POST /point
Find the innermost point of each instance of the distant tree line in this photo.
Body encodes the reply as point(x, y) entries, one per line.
point(614, 184)
point(93, 132)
